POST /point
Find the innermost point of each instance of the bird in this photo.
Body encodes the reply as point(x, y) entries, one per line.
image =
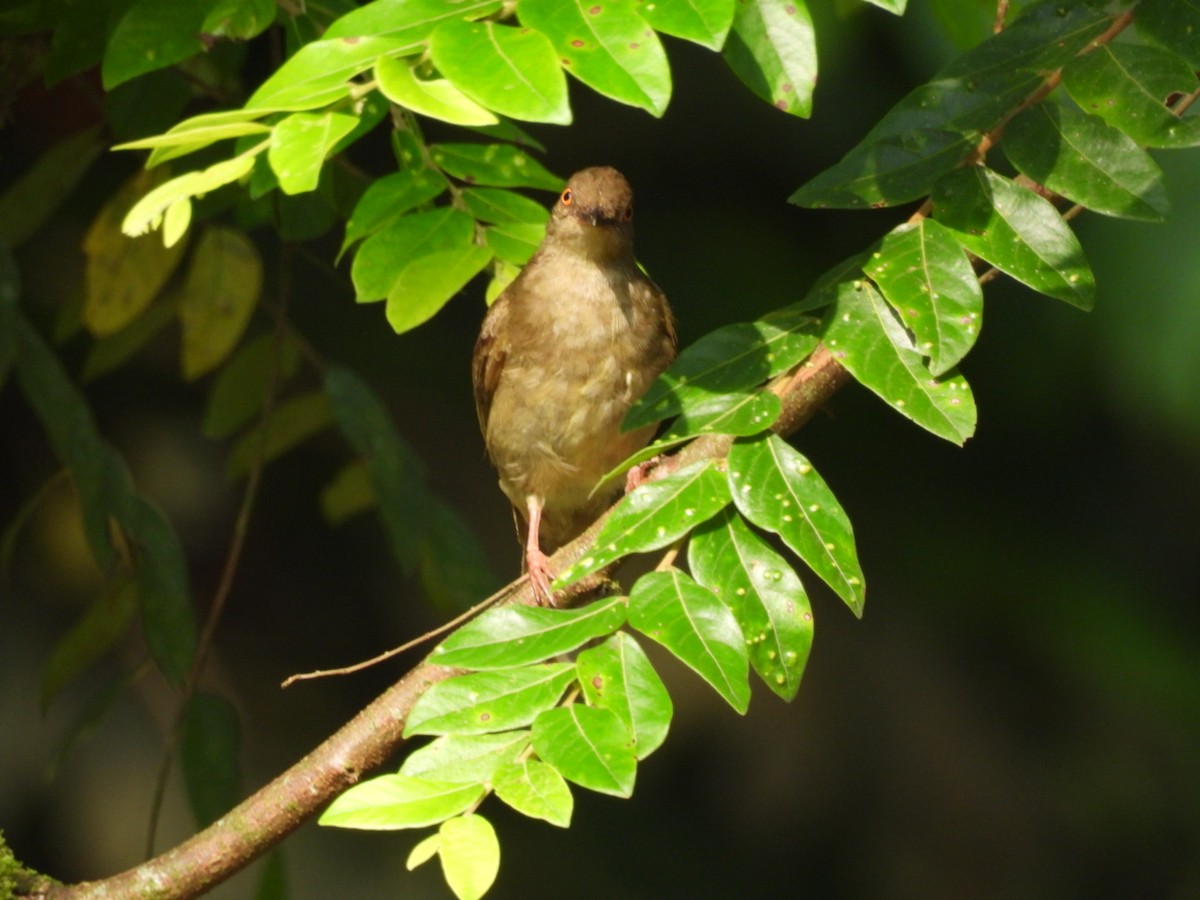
point(572, 342)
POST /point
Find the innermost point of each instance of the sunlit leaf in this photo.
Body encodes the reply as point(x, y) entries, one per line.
point(486, 702)
point(382, 256)
point(465, 758)
point(400, 801)
point(616, 675)
point(434, 97)
point(503, 207)
point(299, 145)
point(496, 165)
point(705, 22)
point(390, 197)
point(319, 73)
point(470, 855)
point(535, 789)
point(428, 282)
point(773, 49)
point(588, 746)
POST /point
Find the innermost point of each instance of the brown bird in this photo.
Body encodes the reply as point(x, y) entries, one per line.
point(566, 349)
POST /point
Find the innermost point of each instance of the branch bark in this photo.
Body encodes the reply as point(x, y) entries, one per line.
point(371, 737)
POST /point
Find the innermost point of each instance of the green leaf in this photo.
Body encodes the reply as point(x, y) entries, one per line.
point(607, 46)
point(515, 242)
point(239, 20)
point(104, 623)
point(466, 758)
point(111, 351)
point(773, 50)
point(123, 276)
point(765, 594)
point(147, 214)
point(435, 97)
point(428, 282)
point(866, 337)
point(731, 359)
point(617, 676)
point(291, 423)
point(705, 22)
point(503, 207)
point(935, 127)
point(777, 489)
point(517, 636)
point(153, 34)
point(892, 6)
point(1086, 161)
point(388, 198)
point(454, 569)
point(496, 165)
point(423, 852)
point(921, 270)
point(197, 133)
point(382, 257)
point(238, 393)
point(212, 740)
point(1174, 24)
point(348, 494)
point(409, 20)
point(470, 855)
point(487, 702)
point(535, 789)
point(513, 71)
point(590, 747)
point(1016, 231)
point(30, 201)
point(299, 145)
point(319, 73)
point(688, 619)
point(400, 801)
point(658, 513)
point(1128, 86)
point(219, 295)
point(397, 475)
point(10, 291)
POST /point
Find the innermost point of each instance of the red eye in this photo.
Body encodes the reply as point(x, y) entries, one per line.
point(627, 214)
point(567, 197)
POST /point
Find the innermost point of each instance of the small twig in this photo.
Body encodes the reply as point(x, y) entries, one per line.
point(1001, 15)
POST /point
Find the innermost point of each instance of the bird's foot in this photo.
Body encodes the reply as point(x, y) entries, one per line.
point(540, 576)
point(637, 476)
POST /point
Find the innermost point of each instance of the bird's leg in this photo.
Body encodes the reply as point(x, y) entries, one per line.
point(536, 563)
point(636, 476)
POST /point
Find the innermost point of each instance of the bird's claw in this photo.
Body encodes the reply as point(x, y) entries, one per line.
point(637, 475)
point(538, 567)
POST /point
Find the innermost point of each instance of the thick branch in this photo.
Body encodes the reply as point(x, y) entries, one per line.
point(371, 737)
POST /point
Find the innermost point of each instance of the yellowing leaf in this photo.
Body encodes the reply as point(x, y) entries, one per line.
point(123, 274)
point(222, 287)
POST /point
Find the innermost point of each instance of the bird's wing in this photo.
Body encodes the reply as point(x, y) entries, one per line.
point(491, 350)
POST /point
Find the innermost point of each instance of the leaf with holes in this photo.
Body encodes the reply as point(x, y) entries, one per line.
point(765, 594)
point(688, 619)
point(776, 488)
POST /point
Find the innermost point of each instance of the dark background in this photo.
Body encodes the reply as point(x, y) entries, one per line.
point(1017, 715)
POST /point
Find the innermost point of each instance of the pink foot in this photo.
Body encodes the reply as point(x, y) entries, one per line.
point(536, 563)
point(636, 476)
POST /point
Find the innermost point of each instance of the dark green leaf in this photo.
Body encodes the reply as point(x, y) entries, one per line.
point(1086, 161)
point(111, 351)
point(1129, 85)
point(10, 291)
point(513, 71)
point(535, 789)
point(104, 623)
point(400, 801)
point(608, 47)
point(383, 256)
point(591, 747)
point(272, 878)
point(503, 207)
point(292, 422)
point(388, 198)
point(454, 568)
point(29, 201)
point(705, 22)
point(1016, 231)
point(617, 676)
point(397, 476)
point(699, 629)
point(466, 758)
point(939, 124)
point(1174, 24)
point(732, 359)
point(773, 49)
point(348, 494)
point(238, 19)
point(518, 636)
point(497, 165)
point(865, 336)
point(239, 391)
point(427, 283)
point(765, 594)
point(487, 702)
point(658, 513)
point(923, 273)
point(153, 34)
point(212, 738)
point(219, 294)
point(776, 488)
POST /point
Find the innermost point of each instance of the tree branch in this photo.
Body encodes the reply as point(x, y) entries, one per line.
point(371, 737)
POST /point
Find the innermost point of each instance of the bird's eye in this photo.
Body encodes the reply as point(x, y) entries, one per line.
point(627, 214)
point(567, 197)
